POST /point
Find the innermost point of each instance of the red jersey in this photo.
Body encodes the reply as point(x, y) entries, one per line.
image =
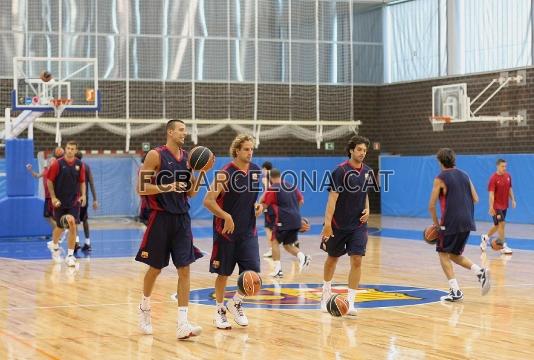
point(500, 185)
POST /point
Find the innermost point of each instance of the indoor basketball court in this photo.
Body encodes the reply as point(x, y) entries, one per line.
point(302, 90)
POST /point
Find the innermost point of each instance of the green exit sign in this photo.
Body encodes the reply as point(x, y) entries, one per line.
point(329, 146)
point(146, 146)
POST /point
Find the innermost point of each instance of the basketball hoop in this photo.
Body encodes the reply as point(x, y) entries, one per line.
point(59, 105)
point(441, 118)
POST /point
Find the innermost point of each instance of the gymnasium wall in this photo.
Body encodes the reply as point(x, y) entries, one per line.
point(395, 115)
point(411, 185)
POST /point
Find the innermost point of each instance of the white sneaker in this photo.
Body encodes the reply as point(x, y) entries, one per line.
point(56, 255)
point(70, 260)
point(268, 253)
point(352, 311)
point(324, 299)
point(305, 262)
point(484, 239)
point(187, 330)
point(145, 322)
point(50, 245)
point(506, 250)
point(484, 279)
point(220, 321)
point(277, 274)
point(236, 309)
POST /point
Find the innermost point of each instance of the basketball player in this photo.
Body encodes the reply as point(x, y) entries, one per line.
point(266, 168)
point(457, 196)
point(89, 182)
point(345, 221)
point(285, 201)
point(167, 181)
point(232, 200)
point(47, 209)
point(66, 184)
point(500, 192)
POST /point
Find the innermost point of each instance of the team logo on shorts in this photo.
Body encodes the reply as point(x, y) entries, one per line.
point(144, 254)
point(308, 296)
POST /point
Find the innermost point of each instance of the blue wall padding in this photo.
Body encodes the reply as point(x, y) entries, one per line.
point(22, 216)
point(411, 185)
point(19, 152)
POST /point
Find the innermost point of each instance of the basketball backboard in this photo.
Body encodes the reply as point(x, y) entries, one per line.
point(70, 78)
point(450, 100)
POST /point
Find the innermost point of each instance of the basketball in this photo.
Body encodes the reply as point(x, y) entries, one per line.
point(64, 222)
point(304, 225)
point(430, 235)
point(337, 305)
point(249, 283)
point(45, 76)
point(201, 158)
point(496, 245)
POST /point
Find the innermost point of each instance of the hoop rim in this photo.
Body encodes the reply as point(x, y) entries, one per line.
point(441, 118)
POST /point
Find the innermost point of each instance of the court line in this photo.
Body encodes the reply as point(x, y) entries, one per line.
point(433, 318)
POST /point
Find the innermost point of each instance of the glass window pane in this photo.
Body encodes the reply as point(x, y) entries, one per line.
point(112, 57)
point(273, 20)
point(243, 60)
point(211, 59)
point(302, 20)
point(177, 59)
point(145, 58)
point(212, 18)
point(368, 64)
point(334, 21)
point(242, 19)
point(42, 15)
point(334, 63)
point(111, 17)
point(303, 63)
point(273, 61)
point(498, 34)
point(366, 23)
point(79, 16)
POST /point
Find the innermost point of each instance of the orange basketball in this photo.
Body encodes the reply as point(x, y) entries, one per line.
point(496, 245)
point(337, 305)
point(431, 234)
point(249, 283)
point(201, 158)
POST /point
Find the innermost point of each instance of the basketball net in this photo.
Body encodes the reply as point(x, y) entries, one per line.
point(59, 105)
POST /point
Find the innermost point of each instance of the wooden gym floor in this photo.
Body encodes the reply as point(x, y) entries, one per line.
point(50, 312)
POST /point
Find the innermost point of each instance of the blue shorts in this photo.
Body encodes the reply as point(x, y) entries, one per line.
point(269, 220)
point(452, 243)
point(500, 216)
point(59, 212)
point(286, 237)
point(48, 209)
point(167, 235)
point(351, 242)
point(242, 250)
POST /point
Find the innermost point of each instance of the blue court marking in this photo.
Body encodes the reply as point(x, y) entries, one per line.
point(307, 296)
point(514, 243)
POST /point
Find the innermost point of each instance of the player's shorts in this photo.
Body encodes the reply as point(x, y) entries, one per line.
point(74, 211)
point(286, 237)
point(500, 216)
point(269, 220)
point(167, 235)
point(351, 242)
point(144, 215)
point(242, 250)
point(83, 213)
point(453, 243)
point(48, 209)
